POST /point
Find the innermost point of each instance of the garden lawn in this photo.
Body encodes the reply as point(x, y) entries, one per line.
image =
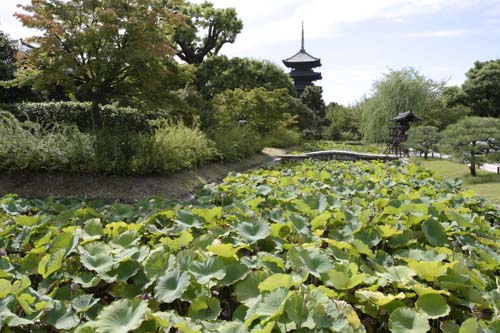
point(486, 184)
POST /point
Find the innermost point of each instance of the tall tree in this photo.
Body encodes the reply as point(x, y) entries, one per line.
point(261, 109)
point(206, 30)
point(481, 89)
point(468, 137)
point(219, 73)
point(344, 122)
point(312, 97)
point(101, 49)
point(8, 50)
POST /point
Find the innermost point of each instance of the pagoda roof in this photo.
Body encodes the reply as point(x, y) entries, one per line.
point(302, 57)
point(405, 115)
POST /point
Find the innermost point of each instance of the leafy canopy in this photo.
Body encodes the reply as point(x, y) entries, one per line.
point(101, 50)
point(481, 89)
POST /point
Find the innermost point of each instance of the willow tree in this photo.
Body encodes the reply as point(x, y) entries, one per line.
point(99, 50)
point(398, 91)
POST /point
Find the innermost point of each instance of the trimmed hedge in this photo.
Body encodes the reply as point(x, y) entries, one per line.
point(79, 114)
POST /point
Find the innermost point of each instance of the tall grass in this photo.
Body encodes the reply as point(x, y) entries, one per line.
point(30, 146)
point(235, 143)
point(282, 138)
point(173, 147)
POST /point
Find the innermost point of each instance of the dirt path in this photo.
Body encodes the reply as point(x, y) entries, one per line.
point(110, 188)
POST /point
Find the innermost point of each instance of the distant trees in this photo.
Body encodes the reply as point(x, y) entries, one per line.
point(468, 137)
point(99, 51)
point(205, 30)
point(344, 122)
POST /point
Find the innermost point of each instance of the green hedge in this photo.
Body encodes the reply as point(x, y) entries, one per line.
point(79, 114)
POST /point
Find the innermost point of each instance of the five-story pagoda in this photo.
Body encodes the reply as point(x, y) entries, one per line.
point(302, 64)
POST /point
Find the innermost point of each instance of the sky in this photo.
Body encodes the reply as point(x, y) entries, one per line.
point(357, 40)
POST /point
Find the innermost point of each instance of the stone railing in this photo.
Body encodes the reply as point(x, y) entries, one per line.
point(338, 155)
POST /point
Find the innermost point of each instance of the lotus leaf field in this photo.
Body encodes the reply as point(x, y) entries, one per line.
point(310, 247)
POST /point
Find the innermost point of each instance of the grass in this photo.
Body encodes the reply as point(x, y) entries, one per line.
point(486, 184)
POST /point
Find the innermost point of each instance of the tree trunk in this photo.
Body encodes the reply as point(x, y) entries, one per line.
point(473, 163)
point(96, 115)
point(425, 155)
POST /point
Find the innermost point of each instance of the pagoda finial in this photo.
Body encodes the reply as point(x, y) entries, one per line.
point(302, 48)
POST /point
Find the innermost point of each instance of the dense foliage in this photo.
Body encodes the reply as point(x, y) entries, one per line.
point(99, 51)
point(166, 148)
point(399, 91)
point(481, 90)
point(423, 139)
point(260, 109)
point(79, 114)
point(355, 146)
point(312, 97)
point(345, 122)
point(312, 247)
point(219, 73)
point(8, 50)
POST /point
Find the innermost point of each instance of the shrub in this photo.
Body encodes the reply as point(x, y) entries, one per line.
point(172, 148)
point(79, 114)
point(281, 138)
point(237, 142)
point(115, 150)
point(30, 146)
point(258, 108)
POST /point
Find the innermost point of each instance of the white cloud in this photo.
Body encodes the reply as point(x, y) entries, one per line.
point(441, 33)
point(278, 21)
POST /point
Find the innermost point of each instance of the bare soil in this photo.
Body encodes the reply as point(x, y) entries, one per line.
point(178, 186)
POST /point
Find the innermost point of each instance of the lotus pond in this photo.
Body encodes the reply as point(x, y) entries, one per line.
point(310, 247)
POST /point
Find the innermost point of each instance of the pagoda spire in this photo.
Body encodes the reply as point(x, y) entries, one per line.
point(302, 47)
point(302, 64)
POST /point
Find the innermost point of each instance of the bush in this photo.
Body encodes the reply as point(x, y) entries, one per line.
point(172, 148)
point(79, 114)
point(281, 138)
point(115, 150)
point(30, 146)
point(237, 142)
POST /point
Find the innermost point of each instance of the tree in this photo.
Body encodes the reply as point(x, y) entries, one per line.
point(398, 91)
point(219, 73)
point(469, 137)
point(263, 110)
point(8, 51)
point(14, 86)
point(423, 139)
point(481, 89)
point(344, 122)
point(445, 109)
point(221, 27)
point(101, 50)
point(312, 97)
